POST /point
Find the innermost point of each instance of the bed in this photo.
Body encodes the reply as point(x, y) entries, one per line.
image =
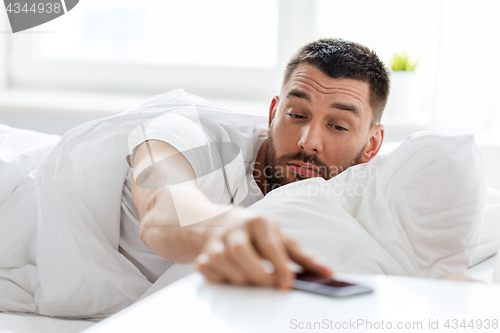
point(94, 142)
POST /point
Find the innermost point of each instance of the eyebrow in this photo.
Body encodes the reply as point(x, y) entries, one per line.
point(298, 94)
point(346, 107)
point(340, 106)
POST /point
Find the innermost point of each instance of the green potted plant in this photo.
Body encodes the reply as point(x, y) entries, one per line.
point(401, 62)
point(402, 96)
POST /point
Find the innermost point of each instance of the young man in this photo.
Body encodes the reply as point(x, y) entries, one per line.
point(326, 119)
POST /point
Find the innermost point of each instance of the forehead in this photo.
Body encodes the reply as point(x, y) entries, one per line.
point(311, 80)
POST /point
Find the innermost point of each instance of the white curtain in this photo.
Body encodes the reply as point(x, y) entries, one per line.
point(467, 92)
point(457, 43)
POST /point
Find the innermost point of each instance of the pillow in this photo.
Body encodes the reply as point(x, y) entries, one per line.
point(21, 151)
point(490, 234)
point(490, 231)
point(496, 270)
point(414, 211)
point(491, 156)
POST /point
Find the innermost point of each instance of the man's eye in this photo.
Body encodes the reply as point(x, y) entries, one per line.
point(339, 128)
point(296, 116)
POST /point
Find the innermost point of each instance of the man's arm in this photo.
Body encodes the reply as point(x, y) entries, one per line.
point(160, 226)
point(228, 245)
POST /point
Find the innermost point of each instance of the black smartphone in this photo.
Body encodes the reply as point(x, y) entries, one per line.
point(328, 287)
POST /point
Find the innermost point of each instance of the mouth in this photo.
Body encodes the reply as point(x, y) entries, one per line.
point(303, 169)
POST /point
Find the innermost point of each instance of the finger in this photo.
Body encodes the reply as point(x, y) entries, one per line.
point(219, 263)
point(306, 258)
point(203, 268)
point(270, 245)
point(210, 276)
point(243, 256)
point(223, 263)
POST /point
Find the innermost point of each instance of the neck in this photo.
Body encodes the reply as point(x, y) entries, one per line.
point(258, 173)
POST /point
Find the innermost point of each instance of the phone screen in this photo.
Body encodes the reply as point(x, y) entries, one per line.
point(327, 286)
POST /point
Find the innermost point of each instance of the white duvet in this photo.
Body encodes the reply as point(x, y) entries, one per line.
point(60, 213)
point(415, 211)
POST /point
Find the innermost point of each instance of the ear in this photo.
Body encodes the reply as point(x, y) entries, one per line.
point(273, 108)
point(374, 144)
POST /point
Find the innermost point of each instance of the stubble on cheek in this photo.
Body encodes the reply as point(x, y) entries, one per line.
point(278, 174)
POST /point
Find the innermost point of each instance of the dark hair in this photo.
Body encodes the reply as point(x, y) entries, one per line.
point(340, 58)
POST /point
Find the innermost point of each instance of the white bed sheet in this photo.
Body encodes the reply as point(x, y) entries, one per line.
point(32, 323)
point(483, 271)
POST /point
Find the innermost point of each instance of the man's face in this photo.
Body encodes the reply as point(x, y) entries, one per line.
point(319, 127)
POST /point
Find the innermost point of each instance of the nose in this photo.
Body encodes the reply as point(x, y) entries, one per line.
point(310, 140)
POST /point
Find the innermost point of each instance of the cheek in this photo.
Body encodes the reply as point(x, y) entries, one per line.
point(342, 153)
point(284, 138)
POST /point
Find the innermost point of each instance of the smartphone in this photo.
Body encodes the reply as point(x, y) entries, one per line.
point(327, 286)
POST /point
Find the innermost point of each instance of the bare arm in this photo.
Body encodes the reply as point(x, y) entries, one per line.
point(228, 245)
point(160, 225)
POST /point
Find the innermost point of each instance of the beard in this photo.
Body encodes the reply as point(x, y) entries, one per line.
point(276, 171)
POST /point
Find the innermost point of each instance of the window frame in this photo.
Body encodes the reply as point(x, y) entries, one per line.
point(295, 27)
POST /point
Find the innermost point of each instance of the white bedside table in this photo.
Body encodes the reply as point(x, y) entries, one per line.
point(192, 305)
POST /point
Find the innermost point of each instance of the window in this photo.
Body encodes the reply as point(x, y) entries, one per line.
point(238, 49)
point(457, 43)
point(214, 48)
point(217, 33)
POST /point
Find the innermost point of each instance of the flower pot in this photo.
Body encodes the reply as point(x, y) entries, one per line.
point(402, 95)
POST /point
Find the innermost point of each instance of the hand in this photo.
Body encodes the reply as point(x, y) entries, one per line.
point(233, 252)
